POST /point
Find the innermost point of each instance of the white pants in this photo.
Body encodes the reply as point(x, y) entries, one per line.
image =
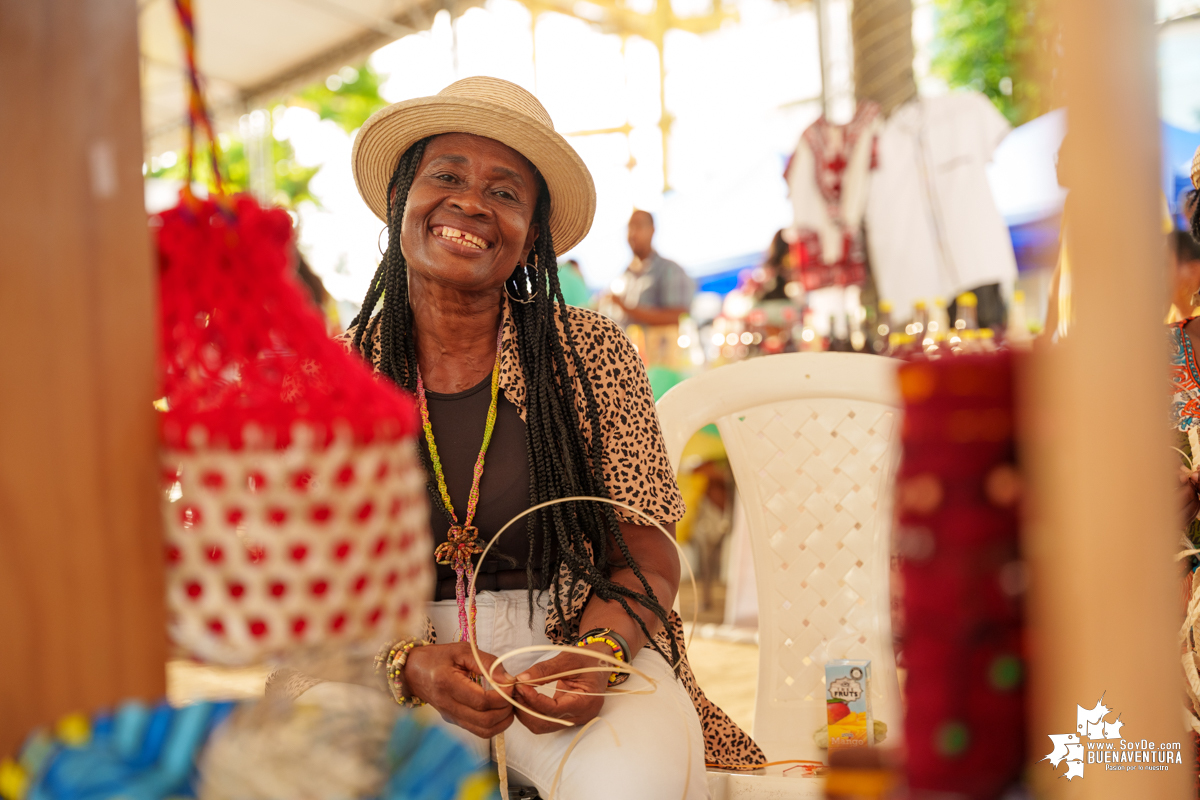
point(648, 757)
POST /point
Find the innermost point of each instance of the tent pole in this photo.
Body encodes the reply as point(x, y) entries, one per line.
point(823, 53)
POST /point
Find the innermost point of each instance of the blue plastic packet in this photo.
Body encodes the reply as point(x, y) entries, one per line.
point(406, 735)
point(433, 771)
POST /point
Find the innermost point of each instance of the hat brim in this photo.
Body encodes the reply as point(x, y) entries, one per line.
point(391, 131)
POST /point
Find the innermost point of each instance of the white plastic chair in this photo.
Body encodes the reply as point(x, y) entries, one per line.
point(813, 441)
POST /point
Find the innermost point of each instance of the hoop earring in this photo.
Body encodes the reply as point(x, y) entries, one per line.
point(531, 297)
point(379, 240)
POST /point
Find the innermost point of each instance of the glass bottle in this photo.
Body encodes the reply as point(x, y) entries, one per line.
point(881, 341)
point(858, 338)
point(987, 340)
point(1017, 335)
point(839, 335)
point(968, 312)
point(920, 320)
point(936, 339)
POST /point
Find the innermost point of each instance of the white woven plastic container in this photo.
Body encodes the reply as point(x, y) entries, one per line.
point(272, 550)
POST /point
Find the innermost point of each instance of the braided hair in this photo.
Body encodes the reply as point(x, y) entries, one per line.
point(561, 461)
point(1193, 202)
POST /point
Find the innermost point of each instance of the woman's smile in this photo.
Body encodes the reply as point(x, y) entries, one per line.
point(459, 240)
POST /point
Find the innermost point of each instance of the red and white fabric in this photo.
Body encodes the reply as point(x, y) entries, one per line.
point(828, 178)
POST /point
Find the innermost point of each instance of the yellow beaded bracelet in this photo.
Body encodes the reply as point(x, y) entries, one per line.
point(392, 663)
point(607, 637)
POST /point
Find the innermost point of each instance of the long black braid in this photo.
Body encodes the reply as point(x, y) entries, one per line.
point(561, 461)
point(1193, 200)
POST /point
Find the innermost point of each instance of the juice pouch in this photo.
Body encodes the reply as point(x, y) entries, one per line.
point(848, 704)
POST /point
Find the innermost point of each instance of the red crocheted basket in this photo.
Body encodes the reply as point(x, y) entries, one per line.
point(294, 504)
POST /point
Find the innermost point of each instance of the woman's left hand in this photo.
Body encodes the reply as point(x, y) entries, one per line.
point(575, 708)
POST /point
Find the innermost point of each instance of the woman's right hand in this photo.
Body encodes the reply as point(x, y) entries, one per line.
point(445, 677)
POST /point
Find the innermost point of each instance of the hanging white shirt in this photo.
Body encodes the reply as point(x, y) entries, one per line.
point(933, 229)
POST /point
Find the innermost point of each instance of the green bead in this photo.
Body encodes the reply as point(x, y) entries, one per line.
point(1005, 672)
point(951, 739)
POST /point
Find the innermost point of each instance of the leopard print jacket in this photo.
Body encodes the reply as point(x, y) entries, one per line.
point(637, 472)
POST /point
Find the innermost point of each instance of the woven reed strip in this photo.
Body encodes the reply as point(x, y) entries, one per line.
point(883, 52)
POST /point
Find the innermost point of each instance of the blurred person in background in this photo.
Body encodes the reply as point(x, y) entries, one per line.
point(773, 276)
point(1183, 259)
point(1184, 337)
point(653, 290)
point(574, 288)
point(1184, 334)
point(772, 310)
point(321, 298)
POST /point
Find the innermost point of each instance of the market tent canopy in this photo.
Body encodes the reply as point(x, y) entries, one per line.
point(1025, 184)
point(1179, 147)
point(1022, 172)
point(254, 52)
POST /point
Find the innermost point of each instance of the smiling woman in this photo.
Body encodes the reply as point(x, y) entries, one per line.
point(523, 400)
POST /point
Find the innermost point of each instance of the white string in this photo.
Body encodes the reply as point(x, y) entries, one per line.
point(621, 666)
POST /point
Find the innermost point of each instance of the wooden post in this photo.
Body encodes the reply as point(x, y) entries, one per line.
point(81, 590)
point(1106, 598)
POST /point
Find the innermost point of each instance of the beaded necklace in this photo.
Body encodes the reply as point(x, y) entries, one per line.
point(462, 541)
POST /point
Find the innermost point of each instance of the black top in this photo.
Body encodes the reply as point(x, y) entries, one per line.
point(458, 421)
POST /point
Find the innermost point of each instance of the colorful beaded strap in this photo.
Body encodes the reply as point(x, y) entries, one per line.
point(618, 645)
point(462, 541)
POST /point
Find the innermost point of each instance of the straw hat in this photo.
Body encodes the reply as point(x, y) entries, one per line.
point(1196, 169)
point(485, 107)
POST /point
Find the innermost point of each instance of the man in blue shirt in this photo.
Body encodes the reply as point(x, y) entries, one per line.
point(653, 290)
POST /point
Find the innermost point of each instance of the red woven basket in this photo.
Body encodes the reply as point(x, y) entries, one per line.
point(294, 504)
